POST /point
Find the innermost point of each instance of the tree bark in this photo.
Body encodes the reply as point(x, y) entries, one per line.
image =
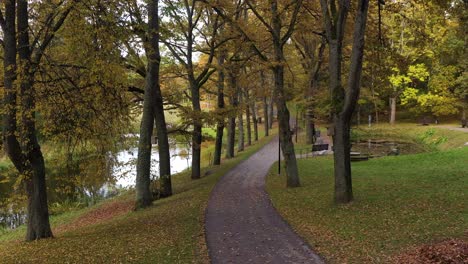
point(25, 153)
point(196, 133)
point(220, 125)
point(312, 89)
point(231, 137)
point(240, 118)
point(342, 161)
point(144, 197)
point(285, 133)
point(159, 117)
point(393, 101)
point(265, 105)
point(232, 117)
point(266, 116)
point(270, 112)
point(247, 115)
point(254, 117)
point(344, 102)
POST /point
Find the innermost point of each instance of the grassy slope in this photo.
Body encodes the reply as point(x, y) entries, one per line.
point(408, 132)
point(171, 231)
point(399, 202)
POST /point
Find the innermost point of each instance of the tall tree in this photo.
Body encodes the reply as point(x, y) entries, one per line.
point(153, 112)
point(21, 60)
point(279, 39)
point(186, 18)
point(343, 101)
point(221, 105)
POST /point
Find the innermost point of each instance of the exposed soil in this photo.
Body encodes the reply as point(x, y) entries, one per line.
point(454, 251)
point(242, 226)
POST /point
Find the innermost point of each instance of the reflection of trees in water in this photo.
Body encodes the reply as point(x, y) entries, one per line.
point(72, 182)
point(124, 169)
point(77, 179)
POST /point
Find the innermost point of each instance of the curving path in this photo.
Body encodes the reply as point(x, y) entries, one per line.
point(241, 224)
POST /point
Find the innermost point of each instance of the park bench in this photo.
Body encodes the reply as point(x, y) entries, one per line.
point(319, 147)
point(357, 156)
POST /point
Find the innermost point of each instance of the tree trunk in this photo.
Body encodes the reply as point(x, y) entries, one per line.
point(240, 118)
point(270, 113)
point(266, 116)
point(285, 133)
point(232, 117)
point(342, 161)
point(344, 102)
point(312, 89)
point(231, 137)
point(247, 115)
point(159, 118)
point(254, 117)
point(220, 125)
point(196, 133)
point(265, 104)
point(393, 101)
point(143, 178)
point(38, 213)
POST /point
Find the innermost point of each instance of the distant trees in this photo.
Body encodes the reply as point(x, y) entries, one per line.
point(272, 22)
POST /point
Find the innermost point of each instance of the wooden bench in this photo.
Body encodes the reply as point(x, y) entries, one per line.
point(357, 156)
point(319, 147)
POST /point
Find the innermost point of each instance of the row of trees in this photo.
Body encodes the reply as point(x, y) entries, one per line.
point(78, 71)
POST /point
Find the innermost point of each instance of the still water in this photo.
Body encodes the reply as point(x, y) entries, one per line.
point(125, 173)
point(123, 176)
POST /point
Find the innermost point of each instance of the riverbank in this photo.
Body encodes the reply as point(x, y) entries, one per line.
point(171, 231)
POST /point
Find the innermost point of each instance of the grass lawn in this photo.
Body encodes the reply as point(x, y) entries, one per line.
point(400, 202)
point(171, 231)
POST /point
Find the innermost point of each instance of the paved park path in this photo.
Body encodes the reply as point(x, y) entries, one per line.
point(241, 224)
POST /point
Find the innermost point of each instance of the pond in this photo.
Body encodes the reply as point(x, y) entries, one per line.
point(122, 176)
point(125, 174)
point(383, 147)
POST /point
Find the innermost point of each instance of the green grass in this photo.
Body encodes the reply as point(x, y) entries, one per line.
point(171, 231)
point(399, 202)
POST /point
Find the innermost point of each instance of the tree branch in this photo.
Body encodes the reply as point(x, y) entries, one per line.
point(259, 17)
point(239, 29)
point(38, 52)
point(135, 89)
point(292, 22)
